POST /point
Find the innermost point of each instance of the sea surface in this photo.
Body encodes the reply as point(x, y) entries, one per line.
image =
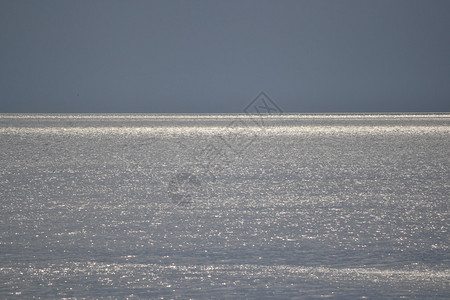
point(225, 206)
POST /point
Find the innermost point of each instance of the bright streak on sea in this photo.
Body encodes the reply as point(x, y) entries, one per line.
point(336, 205)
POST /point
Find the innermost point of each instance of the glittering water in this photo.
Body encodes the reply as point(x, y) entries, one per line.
point(224, 206)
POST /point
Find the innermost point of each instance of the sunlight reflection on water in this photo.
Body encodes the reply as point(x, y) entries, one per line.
point(314, 206)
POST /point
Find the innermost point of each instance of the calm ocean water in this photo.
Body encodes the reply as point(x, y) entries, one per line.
point(225, 206)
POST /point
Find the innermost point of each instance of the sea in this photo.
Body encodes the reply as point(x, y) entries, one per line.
point(225, 206)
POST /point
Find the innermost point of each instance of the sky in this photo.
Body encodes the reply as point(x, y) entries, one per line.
point(195, 56)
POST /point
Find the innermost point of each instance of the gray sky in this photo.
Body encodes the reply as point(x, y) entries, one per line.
point(216, 56)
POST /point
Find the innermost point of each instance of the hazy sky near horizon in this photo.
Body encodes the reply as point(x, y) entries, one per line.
point(216, 56)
